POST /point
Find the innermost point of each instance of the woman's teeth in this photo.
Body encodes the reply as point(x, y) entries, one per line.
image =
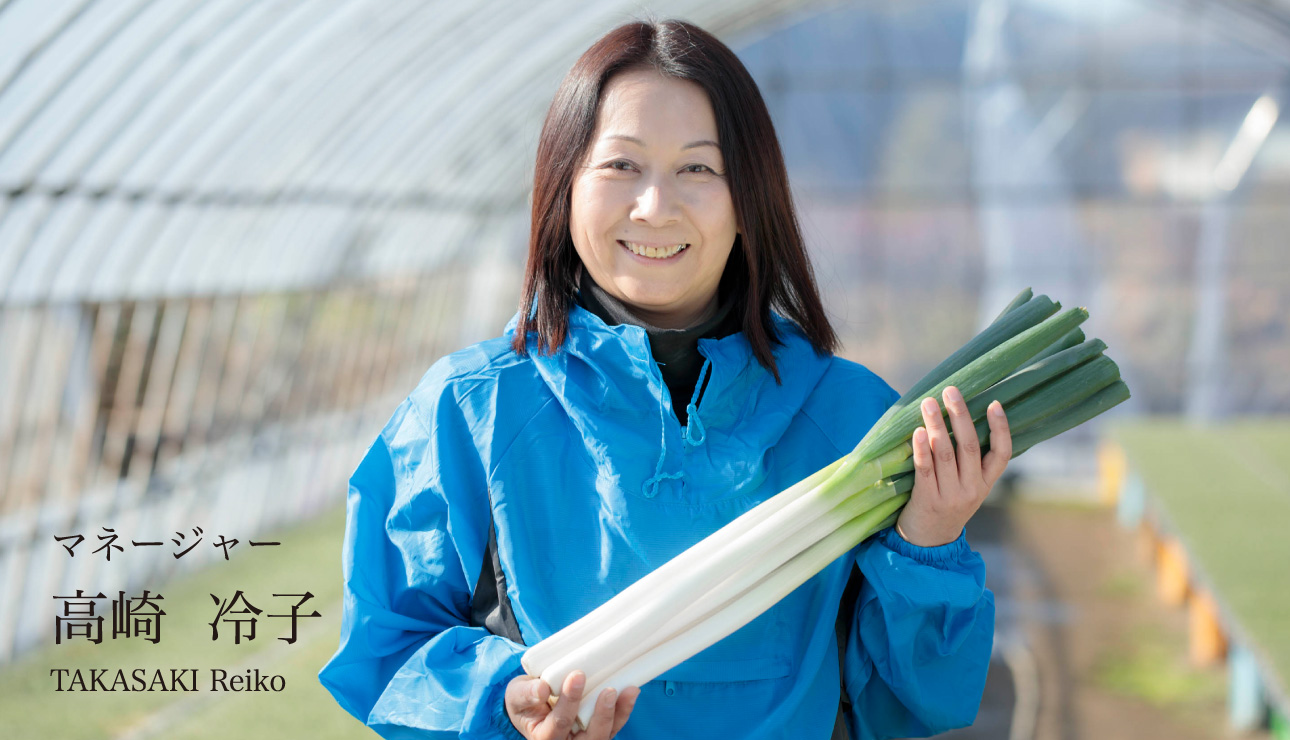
point(655, 252)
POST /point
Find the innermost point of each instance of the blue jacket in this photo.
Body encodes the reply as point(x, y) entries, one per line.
point(591, 481)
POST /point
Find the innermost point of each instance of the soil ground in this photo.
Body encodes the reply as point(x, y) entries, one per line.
point(1079, 620)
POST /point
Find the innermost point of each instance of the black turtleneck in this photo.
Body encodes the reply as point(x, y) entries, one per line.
point(675, 350)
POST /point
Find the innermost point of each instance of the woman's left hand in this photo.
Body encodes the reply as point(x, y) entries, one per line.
point(949, 487)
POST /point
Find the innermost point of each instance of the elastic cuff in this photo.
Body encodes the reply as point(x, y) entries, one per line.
point(941, 555)
point(502, 720)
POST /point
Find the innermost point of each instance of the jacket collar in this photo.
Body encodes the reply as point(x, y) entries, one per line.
point(618, 363)
point(611, 388)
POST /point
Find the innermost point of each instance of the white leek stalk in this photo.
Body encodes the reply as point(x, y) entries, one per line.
point(725, 618)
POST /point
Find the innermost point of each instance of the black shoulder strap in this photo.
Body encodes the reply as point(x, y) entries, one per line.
point(490, 607)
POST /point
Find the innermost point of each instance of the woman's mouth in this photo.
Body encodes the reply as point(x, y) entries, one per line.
point(656, 253)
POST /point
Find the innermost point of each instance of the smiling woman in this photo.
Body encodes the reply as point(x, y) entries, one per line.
point(626, 150)
point(651, 215)
point(669, 369)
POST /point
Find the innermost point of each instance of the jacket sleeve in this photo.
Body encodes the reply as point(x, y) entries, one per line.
point(920, 640)
point(409, 663)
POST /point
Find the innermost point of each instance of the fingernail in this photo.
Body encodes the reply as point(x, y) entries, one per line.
point(929, 406)
point(608, 697)
point(579, 678)
point(996, 408)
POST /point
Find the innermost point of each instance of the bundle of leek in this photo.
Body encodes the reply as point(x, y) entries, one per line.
point(1032, 358)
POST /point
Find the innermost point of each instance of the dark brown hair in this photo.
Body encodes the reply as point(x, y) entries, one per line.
point(768, 266)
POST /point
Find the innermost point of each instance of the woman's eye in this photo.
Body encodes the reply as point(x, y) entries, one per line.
point(621, 164)
point(699, 168)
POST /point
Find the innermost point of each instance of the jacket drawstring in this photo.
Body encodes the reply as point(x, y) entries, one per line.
point(650, 489)
point(695, 423)
point(692, 437)
point(692, 410)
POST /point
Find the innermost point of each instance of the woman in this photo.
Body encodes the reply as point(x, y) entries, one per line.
point(644, 396)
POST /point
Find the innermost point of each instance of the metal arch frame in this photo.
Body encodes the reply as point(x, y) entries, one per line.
point(392, 151)
point(424, 132)
point(299, 105)
point(44, 123)
point(385, 137)
point(418, 78)
point(390, 154)
point(394, 148)
point(429, 131)
point(141, 248)
point(20, 219)
point(117, 164)
point(420, 155)
point(79, 263)
point(424, 139)
point(350, 212)
point(71, 65)
point(167, 62)
point(42, 41)
point(101, 172)
point(310, 99)
point(157, 263)
point(493, 166)
point(33, 244)
point(40, 266)
point(235, 87)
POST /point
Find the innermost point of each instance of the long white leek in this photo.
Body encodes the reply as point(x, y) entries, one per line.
point(761, 543)
point(742, 609)
point(747, 575)
point(538, 657)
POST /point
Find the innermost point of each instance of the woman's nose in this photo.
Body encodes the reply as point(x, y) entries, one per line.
point(656, 205)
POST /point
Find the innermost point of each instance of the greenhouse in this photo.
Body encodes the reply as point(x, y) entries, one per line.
point(235, 233)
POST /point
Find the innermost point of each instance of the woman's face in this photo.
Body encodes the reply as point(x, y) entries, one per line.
point(651, 214)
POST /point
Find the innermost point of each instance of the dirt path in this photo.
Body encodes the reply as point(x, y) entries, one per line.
point(1110, 658)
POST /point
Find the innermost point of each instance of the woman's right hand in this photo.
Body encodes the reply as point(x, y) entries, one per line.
point(527, 704)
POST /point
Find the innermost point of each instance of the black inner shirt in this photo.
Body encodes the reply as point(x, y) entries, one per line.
point(675, 350)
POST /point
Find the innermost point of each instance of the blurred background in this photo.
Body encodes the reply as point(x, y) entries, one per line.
point(234, 233)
